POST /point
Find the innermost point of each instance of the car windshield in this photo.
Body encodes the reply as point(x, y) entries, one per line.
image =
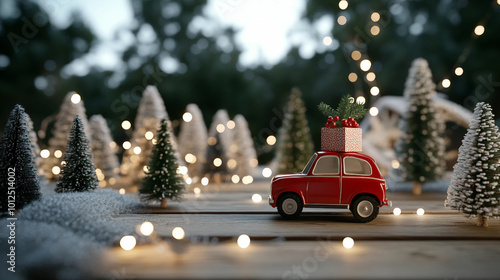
point(308, 166)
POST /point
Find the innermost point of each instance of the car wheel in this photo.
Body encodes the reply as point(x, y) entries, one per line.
point(364, 209)
point(290, 206)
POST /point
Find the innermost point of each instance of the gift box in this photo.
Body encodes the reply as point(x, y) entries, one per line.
point(341, 139)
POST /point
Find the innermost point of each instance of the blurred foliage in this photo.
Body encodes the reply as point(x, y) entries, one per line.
point(208, 73)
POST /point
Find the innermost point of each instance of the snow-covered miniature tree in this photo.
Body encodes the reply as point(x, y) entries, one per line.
point(421, 148)
point(295, 146)
point(105, 158)
point(78, 171)
point(34, 145)
point(162, 181)
point(475, 184)
point(220, 138)
point(243, 148)
point(193, 140)
point(18, 176)
point(149, 115)
point(72, 105)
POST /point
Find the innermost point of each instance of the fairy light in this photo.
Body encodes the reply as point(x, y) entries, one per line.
point(58, 154)
point(370, 76)
point(356, 55)
point(396, 211)
point(231, 164)
point(459, 70)
point(147, 228)
point(479, 30)
point(375, 17)
point(56, 170)
point(267, 172)
point(217, 162)
point(373, 111)
point(271, 140)
point(231, 124)
point(365, 65)
point(243, 241)
point(204, 181)
point(348, 242)
point(122, 191)
point(128, 242)
point(360, 100)
point(220, 128)
point(178, 233)
point(126, 125)
point(352, 77)
point(126, 145)
point(446, 83)
point(374, 91)
point(149, 135)
point(137, 150)
point(182, 170)
point(75, 98)
point(235, 179)
point(196, 190)
point(189, 181)
point(341, 20)
point(247, 180)
point(256, 198)
point(190, 158)
point(343, 4)
point(44, 153)
point(187, 117)
point(254, 162)
point(395, 164)
point(327, 40)
point(375, 30)
point(420, 211)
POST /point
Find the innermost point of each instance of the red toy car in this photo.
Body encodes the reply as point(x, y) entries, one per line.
point(332, 180)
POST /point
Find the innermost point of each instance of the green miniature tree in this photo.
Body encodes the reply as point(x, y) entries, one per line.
point(162, 181)
point(295, 145)
point(347, 108)
point(78, 171)
point(17, 168)
point(474, 187)
point(420, 150)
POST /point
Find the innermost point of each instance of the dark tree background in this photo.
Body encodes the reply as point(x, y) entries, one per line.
point(31, 68)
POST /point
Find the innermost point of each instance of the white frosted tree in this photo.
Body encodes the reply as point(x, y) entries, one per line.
point(72, 105)
point(220, 138)
point(243, 148)
point(105, 159)
point(420, 150)
point(34, 145)
point(295, 146)
point(474, 188)
point(149, 115)
point(193, 140)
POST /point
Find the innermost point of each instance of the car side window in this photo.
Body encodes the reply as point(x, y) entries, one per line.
point(327, 165)
point(356, 166)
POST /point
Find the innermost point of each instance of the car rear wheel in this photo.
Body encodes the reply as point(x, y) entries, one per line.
point(364, 209)
point(290, 206)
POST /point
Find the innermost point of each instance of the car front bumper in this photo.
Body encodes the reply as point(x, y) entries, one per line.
point(271, 201)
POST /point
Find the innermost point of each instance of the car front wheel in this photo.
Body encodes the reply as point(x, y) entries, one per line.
point(290, 206)
point(364, 209)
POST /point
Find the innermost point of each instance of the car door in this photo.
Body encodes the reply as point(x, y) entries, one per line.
point(357, 174)
point(324, 182)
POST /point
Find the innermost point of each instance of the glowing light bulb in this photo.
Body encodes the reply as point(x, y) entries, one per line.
point(348, 242)
point(147, 228)
point(256, 198)
point(373, 111)
point(343, 4)
point(190, 158)
point(187, 117)
point(365, 65)
point(127, 242)
point(375, 17)
point(247, 180)
point(420, 211)
point(370, 76)
point(58, 154)
point(446, 83)
point(374, 91)
point(396, 211)
point(76, 98)
point(479, 30)
point(243, 241)
point(352, 77)
point(459, 71)
point(356, 55)
point(44, 153)
point(189, 181)
point(178, 233)
point(395, 164)
point(196, 190)
point(126, 125)
point(121, 191)
point(341, 20)
point(56, 170)
point(375, 30)
point(360, 100)
point(267, 172)
point(235, 179)
point(217, 162)
point(271, 140)
point(137, 150)
point(126, 145)
point(231, 124)
point(327, 40)
point(220, 128)
point(182, 170)
point(204, 181)
point(149, 135)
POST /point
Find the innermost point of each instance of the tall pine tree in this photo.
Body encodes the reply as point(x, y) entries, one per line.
point(162, 181)
point(78, 171)
point(295, 146)
point(420, 150)
point(17, 168)
point(474, 188)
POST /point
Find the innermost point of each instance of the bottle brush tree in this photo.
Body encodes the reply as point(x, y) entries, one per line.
point(474, 188)
point(295, 145)
point(78, 171)
point(161, 180)
point(19, 181)
point(420, 150)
